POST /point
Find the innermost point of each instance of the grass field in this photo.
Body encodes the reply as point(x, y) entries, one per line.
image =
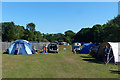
point(51, 65)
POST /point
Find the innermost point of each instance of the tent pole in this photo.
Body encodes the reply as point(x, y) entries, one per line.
point(109, 60)
point(108, 56)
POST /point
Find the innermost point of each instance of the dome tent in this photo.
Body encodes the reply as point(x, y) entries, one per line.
point(85, 47)
point(114, 53)
point(20, 47)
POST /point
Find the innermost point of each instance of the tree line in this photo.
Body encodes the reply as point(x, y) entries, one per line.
point(98, 33)
point(108, 32)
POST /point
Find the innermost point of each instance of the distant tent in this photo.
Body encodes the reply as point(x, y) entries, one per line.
point(85, 48)
point(20, 47)
point(114, 53)
point(77, 44)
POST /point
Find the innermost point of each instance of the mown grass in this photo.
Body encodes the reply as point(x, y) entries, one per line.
point(51, 65)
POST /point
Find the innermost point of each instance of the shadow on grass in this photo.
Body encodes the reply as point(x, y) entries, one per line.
point(115, 71)
point(91, 59)
point(86, 56)
point(5, 52)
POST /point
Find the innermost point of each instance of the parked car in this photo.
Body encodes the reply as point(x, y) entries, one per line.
point(94, 50)
point(53, 47)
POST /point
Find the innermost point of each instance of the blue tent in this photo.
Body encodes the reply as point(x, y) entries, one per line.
point(20, 47)
point(85, 48)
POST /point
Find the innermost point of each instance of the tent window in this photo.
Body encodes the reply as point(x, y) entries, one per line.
point(19, 45)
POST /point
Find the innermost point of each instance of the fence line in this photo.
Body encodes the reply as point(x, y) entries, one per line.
point(5, 45)
point(39, 45)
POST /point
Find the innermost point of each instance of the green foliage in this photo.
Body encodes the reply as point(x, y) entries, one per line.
point(100, 33)
point(30, 26)
point(11, 32)
point(84, 35)
point(69, 36)
point(19, 30)
point(8, 31)
point(37, 36)
point(54, 37)
point(112, 29)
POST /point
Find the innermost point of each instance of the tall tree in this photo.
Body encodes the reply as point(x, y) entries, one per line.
point(19, 30)
point(30, 26)
point(69, 36)
point(8, 31)
point(37, 36)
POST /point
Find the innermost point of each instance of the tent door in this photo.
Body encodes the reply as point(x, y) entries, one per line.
point(16, 51)
point(19, 48)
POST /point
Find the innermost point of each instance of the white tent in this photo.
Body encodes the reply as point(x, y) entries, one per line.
point(115, 49)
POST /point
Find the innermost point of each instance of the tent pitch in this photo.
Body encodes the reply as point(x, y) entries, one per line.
point(20, 47)
point(115, 52)
point(85, 48)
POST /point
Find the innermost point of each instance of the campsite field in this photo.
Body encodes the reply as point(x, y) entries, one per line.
point(61, 65)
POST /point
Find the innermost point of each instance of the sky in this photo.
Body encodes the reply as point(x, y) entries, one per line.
point(60, 0)
point(58, 17)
